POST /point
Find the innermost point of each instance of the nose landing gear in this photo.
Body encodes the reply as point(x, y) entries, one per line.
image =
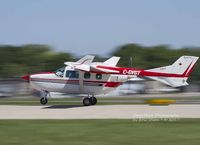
point(44, 99)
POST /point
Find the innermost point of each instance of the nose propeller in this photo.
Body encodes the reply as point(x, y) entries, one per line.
point(26, 77)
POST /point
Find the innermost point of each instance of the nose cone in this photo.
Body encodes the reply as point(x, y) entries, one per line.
point(26, 77)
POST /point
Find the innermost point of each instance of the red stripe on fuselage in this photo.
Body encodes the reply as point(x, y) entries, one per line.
point(158, 74)
point(106, 84)
point(143, 73)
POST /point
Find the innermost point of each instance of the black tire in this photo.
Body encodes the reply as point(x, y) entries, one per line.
point(93, 100)
point(86, 102)
point(43, 101)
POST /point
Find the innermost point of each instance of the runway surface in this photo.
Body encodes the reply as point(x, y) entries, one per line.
point(98, 112)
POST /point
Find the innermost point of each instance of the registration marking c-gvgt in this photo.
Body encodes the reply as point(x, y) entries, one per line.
point(130, 72)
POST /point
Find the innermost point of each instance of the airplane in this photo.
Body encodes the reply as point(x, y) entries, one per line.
point(94, 78)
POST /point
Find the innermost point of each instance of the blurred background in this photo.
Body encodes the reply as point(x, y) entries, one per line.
point(40, 35)
point(37, 36)
point(16, 61)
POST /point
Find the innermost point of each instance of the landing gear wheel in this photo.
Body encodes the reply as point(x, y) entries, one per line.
point(43, 100)
point(93, 100)
point(86, 102)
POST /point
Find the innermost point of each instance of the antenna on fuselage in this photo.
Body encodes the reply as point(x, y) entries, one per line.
point(131, 62)
point(130, 65)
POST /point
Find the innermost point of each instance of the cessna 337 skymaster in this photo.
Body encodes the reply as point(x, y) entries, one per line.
point(93, 78)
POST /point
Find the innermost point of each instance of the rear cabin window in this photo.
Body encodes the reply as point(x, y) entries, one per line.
point(87, 75)
point(98, 76)
point(72, 74)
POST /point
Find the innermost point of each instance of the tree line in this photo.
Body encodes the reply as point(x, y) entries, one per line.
point(19, 60)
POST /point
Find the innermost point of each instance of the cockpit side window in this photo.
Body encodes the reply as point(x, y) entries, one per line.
point(72, 74)
point(60, 72)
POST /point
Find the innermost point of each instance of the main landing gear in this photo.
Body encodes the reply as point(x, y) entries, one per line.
point(86, 101)
point(89, 101)
point(44, 99)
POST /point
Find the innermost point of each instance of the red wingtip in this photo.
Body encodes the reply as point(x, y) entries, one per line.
point(26, 77)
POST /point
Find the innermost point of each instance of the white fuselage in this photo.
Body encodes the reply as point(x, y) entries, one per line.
point(76, 82)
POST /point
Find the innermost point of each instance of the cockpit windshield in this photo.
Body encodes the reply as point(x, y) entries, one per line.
point(60, 72)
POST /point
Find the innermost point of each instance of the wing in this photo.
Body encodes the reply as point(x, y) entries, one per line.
point(86, 60)
point(105, 67)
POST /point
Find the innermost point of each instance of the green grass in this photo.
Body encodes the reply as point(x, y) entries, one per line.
point(78, 101)
point(36, 101)
point(99, 132)
point(65, 101)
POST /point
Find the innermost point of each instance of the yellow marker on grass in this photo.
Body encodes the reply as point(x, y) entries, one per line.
point(160, 102)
